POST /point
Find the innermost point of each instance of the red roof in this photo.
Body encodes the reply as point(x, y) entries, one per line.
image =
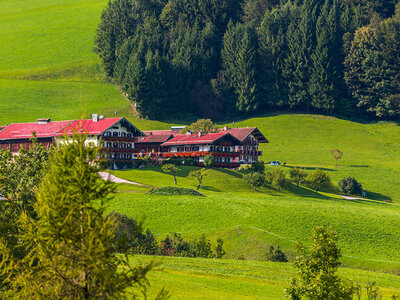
point(158, 138)
point(161, 132)
point(242, 133)
point(89, 126)
point(2, 127)
point(184, 139)
point(25, 130)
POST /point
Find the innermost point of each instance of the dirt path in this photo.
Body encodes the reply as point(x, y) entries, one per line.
point(115, 179)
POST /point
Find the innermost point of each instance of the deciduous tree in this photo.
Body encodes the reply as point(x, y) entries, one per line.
point(172, 169)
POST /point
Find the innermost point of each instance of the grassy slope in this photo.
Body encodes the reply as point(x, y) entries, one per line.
point(187, 278)
point(250, 221)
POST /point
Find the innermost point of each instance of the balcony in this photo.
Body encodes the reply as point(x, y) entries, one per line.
point(201, 153)
point(118, 150)
point(230, 165)
point(118, 139)
point(252, 152)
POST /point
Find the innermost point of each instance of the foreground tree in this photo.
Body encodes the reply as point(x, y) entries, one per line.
point(71, 242)
point(20, 176)
point(172, 169)
point(318, 267)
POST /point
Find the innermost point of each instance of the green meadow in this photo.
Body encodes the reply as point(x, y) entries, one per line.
point(187, 278)
point(48, 69)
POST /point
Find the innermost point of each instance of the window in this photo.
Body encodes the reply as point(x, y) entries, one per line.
point(129, 146)
point(115, 145)
point(123, 134)
point(196, 148)
point(129, 134)
point(115, 134)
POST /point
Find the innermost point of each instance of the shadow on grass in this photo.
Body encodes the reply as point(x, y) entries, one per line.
point(310, 168)
point(229, 172)
point(378, 197)
point(210, 188)
point(304, 192)
point(358, 166)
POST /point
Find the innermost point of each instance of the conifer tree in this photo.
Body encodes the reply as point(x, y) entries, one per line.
point(71, 242)
point(239, 59)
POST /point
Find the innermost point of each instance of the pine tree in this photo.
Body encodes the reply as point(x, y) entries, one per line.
point(239, 59)
point(71, 241)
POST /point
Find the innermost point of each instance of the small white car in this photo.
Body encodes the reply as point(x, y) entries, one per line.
point(274, 163)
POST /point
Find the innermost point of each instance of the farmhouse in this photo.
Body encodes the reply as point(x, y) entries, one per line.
point(120, 142)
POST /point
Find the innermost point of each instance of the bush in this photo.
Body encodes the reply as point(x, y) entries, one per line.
point(276, 254)
point(258, 166)
point(318, 179)
point(129, 236)
point(297, 175)
point(173, 161)
point(188, 162)
point(245, 168)
point(350, 186)
point(255, 179)
point(276, 178)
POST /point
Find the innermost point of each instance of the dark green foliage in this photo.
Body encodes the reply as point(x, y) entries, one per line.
point(256, 179)
point(219, 251)
point(258, 166)
point(350, 186)
point(211, 58)
point(169, 190)
point(239, 62)
point(130, 236)
point(208, 161)
point(175, 245)
point(372, 68)
point(317, 266)
point(276, 254)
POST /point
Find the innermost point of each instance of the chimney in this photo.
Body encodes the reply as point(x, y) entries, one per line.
point(233, 124)
point(101, 117)
point(95, 117)
point(43, 121)
point(188, 133)
point(151, 133)
point(200, 133)
point(225, 128)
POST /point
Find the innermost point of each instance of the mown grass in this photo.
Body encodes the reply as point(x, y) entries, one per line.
point(194, 278)
point(250, 221)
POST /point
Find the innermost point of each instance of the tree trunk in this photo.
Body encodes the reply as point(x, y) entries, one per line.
point(175, 180)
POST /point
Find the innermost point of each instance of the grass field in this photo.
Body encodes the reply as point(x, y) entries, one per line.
point(187, 278)
point(48, 69)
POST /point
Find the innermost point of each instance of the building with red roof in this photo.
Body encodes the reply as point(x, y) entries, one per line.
point(221, 145)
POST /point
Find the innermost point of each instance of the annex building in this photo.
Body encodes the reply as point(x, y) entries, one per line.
point(120, 142)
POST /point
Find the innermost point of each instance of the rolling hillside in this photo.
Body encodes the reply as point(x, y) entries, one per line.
point(48, 69)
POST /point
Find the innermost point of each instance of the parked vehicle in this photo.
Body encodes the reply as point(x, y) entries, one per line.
point(274, 163)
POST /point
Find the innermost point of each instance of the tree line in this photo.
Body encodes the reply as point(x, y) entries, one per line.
point(216, 58)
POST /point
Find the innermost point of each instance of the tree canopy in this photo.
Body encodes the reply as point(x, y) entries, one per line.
point(209, 58)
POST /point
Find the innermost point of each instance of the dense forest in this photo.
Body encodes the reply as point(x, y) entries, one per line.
point(216, 58)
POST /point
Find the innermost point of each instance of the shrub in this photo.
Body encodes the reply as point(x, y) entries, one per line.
point(246, 168)
point(219, 251)
point(202, 248)
point(173, 161)
point(276, 254)
point(350, 186)
point(129, 236)
point(188, 162)
point(255, 179)
point(209, 161)
point(276, 178)
point(318, 179)
point(258, 166)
